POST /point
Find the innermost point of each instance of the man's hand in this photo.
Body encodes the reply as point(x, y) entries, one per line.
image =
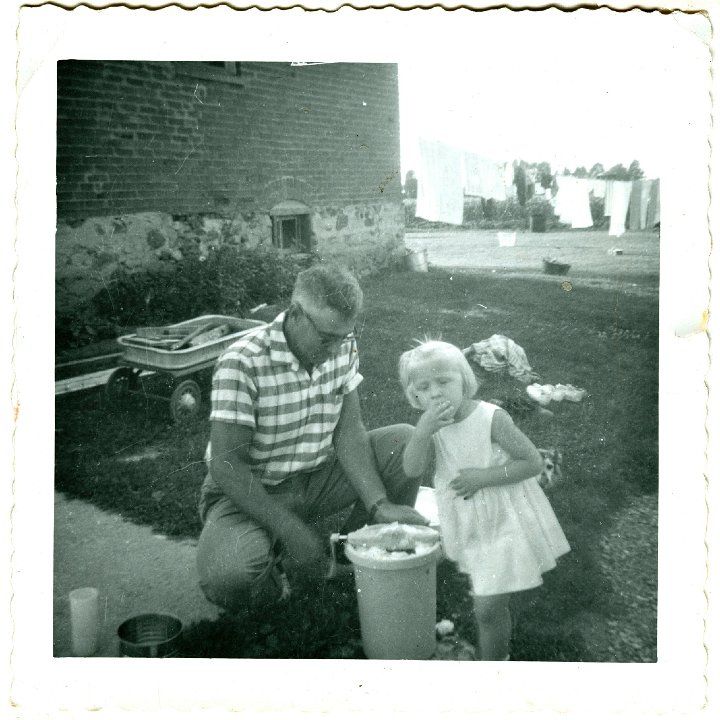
point(388, 512)
point(303, 544)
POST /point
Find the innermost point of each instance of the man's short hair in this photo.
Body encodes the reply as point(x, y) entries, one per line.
point(329, 286)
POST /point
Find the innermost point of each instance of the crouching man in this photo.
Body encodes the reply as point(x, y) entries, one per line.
point(288, 445)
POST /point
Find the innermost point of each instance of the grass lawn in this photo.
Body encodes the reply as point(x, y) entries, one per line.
point(134, 461)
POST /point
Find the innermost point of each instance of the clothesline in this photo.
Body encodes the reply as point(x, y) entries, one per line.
point(447, 174)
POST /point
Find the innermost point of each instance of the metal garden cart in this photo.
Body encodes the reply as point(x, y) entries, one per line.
point(180, 351)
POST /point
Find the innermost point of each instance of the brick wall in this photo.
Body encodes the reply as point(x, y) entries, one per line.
point(166, 137)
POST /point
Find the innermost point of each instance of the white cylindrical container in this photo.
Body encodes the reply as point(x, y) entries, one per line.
point(397, 601)
point(506, 239)
point(84, 620)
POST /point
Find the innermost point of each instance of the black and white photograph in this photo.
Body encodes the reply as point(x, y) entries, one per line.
point(379, 347)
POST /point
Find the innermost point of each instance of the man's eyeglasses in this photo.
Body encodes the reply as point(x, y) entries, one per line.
point(327, 338)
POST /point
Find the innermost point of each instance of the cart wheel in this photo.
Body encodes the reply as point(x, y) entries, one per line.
point(185, 401)
point(120, 383)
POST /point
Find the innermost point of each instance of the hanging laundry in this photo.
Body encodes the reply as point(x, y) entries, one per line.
point(483, 177)
point(644, 201)
point(582, 217)
point(561, 201)
point(509, 180)
point(608, 198)
point(653, 211)
point(635, 205)
point(498, 353)
point(440, 191)
point(598, 187)
point(620, 191)
point(572, 202)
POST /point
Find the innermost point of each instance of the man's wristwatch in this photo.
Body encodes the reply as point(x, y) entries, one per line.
point(374, 508)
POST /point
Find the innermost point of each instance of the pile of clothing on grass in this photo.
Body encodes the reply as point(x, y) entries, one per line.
point(499, 355)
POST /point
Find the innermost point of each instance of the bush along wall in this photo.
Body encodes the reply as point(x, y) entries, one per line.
point(597, 210)
point(227, 281)
point(482, 214)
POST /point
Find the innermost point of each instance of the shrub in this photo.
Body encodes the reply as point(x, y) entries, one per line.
point(230, 281)
point(597, 210)
point(475, 210)
point(478, 213)
point(81, 327)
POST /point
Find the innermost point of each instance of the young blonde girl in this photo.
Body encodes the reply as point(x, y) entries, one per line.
point(496, 522)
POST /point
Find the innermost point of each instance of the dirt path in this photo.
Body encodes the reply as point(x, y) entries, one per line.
point(134, 570)
point(631, 561)
point(628, 633)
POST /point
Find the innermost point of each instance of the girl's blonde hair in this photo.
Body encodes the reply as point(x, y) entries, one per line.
point(431, 350)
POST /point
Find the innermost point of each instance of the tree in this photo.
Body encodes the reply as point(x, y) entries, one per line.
point(620, 172)
point(411, 184)
point(597, 170)
point(635, 171)
point(545, 176)
point(616, 172)
point(520, 180)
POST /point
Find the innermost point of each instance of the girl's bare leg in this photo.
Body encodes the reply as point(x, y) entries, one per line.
point(492, 615)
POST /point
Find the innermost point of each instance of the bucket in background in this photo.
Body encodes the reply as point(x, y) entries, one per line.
point(417, 260)
point(397, 601)
point(151, 635)
point(506, 239)
point(555, 267)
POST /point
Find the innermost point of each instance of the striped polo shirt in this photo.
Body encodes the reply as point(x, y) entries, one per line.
point(258, 382)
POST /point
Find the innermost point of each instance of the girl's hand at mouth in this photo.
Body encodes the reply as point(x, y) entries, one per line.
point(437, 416)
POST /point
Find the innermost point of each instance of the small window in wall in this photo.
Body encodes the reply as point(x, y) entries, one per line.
point(291, 226)
point(230, 68)
point(220, 70)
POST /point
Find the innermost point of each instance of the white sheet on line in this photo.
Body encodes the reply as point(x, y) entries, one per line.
point(440, 189)
point(619, 191)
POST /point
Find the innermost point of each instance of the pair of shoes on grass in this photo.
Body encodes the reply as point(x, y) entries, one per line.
point(544, 394)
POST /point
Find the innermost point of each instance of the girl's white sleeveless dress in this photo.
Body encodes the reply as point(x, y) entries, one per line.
point(503, 537)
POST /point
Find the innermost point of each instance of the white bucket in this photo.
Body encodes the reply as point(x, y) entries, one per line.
point(417, 260)
point(397, 601)
point(506, 239)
